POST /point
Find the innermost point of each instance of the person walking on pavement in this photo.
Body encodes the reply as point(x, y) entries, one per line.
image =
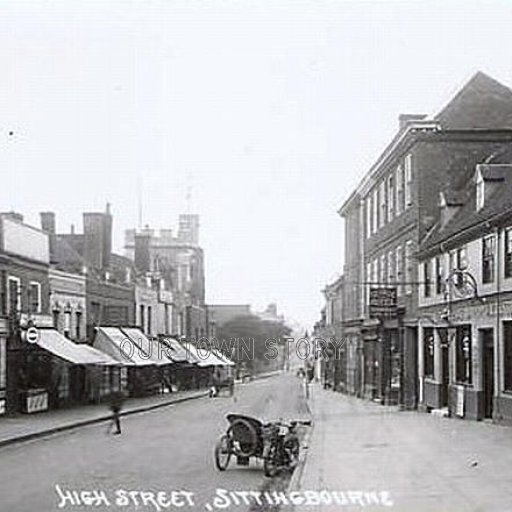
point(116, 404)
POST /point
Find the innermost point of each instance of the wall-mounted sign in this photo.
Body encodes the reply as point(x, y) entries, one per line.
point(383, 302)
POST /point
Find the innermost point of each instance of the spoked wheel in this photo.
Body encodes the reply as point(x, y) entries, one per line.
point(270, 462)
point(223, 453)
point(293, 446)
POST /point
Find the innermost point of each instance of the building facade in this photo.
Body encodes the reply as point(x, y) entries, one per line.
point(179, 262)
point(465, 313)
point(24, 300)
point(394, 208)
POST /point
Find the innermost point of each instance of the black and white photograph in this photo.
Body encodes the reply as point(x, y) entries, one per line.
point(255, 255)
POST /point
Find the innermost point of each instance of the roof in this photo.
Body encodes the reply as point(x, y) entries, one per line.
point(482, 104)
point(497, 203)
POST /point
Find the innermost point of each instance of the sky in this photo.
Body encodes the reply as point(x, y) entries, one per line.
point(266, 113)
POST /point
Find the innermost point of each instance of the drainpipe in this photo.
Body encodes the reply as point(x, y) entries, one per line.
point(498, 343)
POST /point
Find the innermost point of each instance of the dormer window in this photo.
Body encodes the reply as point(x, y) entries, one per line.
point(480, 192)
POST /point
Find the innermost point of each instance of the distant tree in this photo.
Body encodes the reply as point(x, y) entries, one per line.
point(252, 341)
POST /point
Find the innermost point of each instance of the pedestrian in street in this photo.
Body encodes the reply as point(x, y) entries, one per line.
point(116, 404)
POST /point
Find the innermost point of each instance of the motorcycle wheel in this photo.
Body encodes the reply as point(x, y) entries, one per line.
point(271, 462)
point(222, 453)
point(294, 450)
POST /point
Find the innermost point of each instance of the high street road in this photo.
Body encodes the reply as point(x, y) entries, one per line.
point(168, 449)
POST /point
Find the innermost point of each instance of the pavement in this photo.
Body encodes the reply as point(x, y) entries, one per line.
point(23, 427)
point(362, 455)
point(161, 454)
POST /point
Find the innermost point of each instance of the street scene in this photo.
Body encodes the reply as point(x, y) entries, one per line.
point(256, 256)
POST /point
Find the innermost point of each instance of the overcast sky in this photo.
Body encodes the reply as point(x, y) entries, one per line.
point(269, 111)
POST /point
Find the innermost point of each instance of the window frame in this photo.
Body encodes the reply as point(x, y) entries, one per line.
point(427, 278)
point(507, 247)
point(39, 308)
point(391, 195)
point(16, 280)
point(488, 255)
point(399, 187)
point(408, 180)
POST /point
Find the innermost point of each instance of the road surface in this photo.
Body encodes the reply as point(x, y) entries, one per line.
point(168, 449)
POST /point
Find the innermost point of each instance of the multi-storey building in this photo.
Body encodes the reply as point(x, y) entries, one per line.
point(24, 297)
point(465, 300)
point(179, 262)
point(110, 292)
point(397, 204)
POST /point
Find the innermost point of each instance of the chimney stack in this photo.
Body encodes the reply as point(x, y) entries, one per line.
point(48, 222)
point(405, 119)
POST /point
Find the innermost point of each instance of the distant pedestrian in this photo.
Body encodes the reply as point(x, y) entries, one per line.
point(116, 404)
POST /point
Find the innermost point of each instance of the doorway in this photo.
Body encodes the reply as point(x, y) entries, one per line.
point(487, 337)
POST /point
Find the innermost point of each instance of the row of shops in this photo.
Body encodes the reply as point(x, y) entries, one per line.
point(53, 371)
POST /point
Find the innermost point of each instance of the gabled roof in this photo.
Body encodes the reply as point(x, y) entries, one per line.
point(482, 104)
point(64, 256)
point(498, 202)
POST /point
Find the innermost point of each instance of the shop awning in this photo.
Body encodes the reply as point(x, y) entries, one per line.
point(148, 349)
point(54, 342)
point(223, 358)
point(117, 344)
point(205, 357)
point(177, 351)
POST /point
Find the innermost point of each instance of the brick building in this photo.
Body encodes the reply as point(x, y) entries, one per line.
point(178, 263)
point(392, 210)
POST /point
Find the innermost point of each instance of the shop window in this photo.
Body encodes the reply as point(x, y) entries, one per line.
point(508, 252)
point(463, 354)
point(427, 278)
point(428, 351)
point(507, 340)
point(488, 253)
